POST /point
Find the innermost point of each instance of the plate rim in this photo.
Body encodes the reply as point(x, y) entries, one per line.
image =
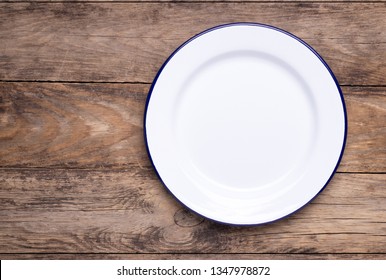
point(267, 26)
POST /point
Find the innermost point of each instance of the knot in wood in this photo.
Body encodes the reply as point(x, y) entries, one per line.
point(186, 218)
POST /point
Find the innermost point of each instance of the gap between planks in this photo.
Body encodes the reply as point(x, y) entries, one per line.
point(187, 256)
point(140, 83)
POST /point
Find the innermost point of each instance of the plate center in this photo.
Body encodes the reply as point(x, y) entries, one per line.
point(244, 120)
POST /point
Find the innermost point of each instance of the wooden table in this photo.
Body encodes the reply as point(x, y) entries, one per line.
point(75, 179)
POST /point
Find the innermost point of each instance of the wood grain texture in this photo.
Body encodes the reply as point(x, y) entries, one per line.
point(75, 179)
point(128, 42)
point(190, 1)
point(193, 256)
point(100, 126)
point(83, 211)
point(72, 125)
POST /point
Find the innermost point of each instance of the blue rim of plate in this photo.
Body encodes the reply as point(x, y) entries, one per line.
point(257, 25)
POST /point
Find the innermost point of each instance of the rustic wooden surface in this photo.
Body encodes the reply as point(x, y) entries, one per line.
point(75, 180)
point(128, 42)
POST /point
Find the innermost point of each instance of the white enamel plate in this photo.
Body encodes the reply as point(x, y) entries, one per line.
point(245, 124)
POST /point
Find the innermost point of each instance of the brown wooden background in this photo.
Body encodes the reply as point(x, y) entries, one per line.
point(75, 180)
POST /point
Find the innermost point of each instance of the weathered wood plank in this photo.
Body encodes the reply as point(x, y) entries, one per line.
point(129, 41)
point(193, 256)
point(100, 126)
point(177, 1)
point(80, 211)
point(366, 140)
point(72, 125)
